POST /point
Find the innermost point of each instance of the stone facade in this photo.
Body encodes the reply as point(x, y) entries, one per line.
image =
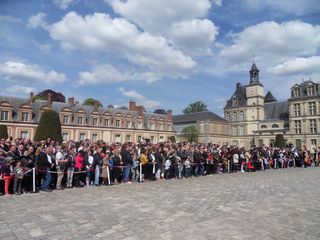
point(81, 122)
point(256, 118)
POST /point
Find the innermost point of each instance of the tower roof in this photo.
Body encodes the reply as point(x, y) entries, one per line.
point(269, 98)
point(254, 67)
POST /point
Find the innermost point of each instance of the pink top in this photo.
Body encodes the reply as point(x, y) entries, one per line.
point(79, 161)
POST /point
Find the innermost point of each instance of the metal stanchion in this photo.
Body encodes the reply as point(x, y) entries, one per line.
point(140, 172)
point(294, 162)
point(229, 166)
point(34, 179)
point(108, 175)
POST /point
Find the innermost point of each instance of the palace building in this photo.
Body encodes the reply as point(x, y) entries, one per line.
point(79, 122)
point(256, 118)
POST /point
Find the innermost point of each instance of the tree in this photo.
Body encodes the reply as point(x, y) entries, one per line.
point(160, 111)
point(91, 102)
point(190, 133)
point(49, 127)
point(3, 131)
point(56, 97)
point(280, 141)
point(197, 106)
point(172, 139)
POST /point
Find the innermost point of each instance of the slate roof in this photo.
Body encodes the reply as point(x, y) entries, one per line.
point(276, 111)
point(199, 116)
point(240, 94)
point(303, 86)
point(58, 106)
point(269, 98)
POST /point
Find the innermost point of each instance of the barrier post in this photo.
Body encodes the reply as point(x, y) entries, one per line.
point(108, 175)
point(34, 179)
point(140, 172)
point(229, 166)
point(294, 162)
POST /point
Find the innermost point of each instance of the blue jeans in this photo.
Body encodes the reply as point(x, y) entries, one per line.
point(126, 172)
point(97, 175)
point(47, 180)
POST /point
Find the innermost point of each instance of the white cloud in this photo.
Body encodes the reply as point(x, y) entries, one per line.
point(37, 20)
point(298, 66)
point(180, 21)
point(118, 37)
point(63, 4)
point(273, 42)
point(19, 90)
point(19, 72)
point(140, 99)
point(45, 48)
point(218, 2)
point(9, 18)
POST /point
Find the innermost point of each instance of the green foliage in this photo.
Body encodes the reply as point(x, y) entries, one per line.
point(280, 141)
point(91, 102)
point(56, 96)
point(190, 133)
point(172, 139)
point(39, 98)
point(49, 127)
point(3, 131)
point(197, 106)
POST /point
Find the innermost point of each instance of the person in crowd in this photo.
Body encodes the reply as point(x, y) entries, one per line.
point(89, 164)
point(71, 162)
point(78, 167)
point(117, 167)
point(61, 163)
point(97, 165)
point(45, 164)
point(127, 162)
point(18, 176)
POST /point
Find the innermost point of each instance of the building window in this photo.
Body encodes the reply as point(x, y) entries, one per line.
point(169, 127)
point(24, 134)
point(228, 117)
point(160, 127)
point(152, 126)
point(117, 123)
point(263, 126)
point(314, 143)
point(313, 126)
point(4, 115)
point(161, 138)
point(312, 108)
point(65, 119)
point(234, 130)
point(234, 117)
point(241, 130)
point(95, 121)
point(65, 136)
point(152, 139)
point(117, 138)
point(94, 137)
point(106, 122)
point(80, 120)
point(128, 124)
point(297, 127)
point(241, 116)
point(296, 92)
point(310, 90)
point(25, 117)
point(296, 109)
point(139, 138)
point(128, 138)
point(139, 125)
point(82, 136)
point(234, 101)
point(275, 126)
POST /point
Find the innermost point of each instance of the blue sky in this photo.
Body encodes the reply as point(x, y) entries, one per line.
point(160, 53)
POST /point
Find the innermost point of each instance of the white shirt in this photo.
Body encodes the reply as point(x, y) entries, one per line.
point(49, 158)
point(59, 157)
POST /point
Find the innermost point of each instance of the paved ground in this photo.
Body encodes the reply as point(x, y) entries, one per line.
point(276, 204)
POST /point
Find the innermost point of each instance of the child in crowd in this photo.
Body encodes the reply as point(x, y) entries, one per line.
point(187, 165)
point(167, 169)
point(18, 176)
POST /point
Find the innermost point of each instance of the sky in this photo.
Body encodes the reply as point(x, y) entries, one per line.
point(160, 53)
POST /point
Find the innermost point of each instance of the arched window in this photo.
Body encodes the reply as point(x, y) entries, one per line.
point(263, 126)
point(275, 126)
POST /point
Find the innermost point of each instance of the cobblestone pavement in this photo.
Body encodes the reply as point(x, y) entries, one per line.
point(275, 204)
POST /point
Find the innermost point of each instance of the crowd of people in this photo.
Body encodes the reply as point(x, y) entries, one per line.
point(26, 166)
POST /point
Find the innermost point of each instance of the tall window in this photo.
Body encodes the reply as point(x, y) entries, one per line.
point(82, 136)
point(152, 139)
point(312, 108)
point(169, 127)
point(24, 134)
point(234, 130)
point(65, 119)
point(241, 116)
point(65, 136)
point(128, 124)
point(296, 109)
point(234, 116)
point(80, 120)
point(117, 138)
point(234, 101)
point(313, 126)
point(314, 142)
point(94, 137)
point(139, 138)
point(297, 127)
point(152, 126)
point(140, 125)
point(106, 122)
point(296, 92)
point(241, 130)
point(310, 90)
point(128, 138)
point(117, 123)
point(228, 117)
point(25, 117)
point(4, 115)
point(95, 121)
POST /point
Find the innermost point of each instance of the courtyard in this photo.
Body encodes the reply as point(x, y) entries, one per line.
point(275, 204)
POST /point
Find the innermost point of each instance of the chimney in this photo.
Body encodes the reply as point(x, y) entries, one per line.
point(49, 99)
point(31, 98)
point(71, 101)
point(238, 85)
point(169, 115)
point(132, 106)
